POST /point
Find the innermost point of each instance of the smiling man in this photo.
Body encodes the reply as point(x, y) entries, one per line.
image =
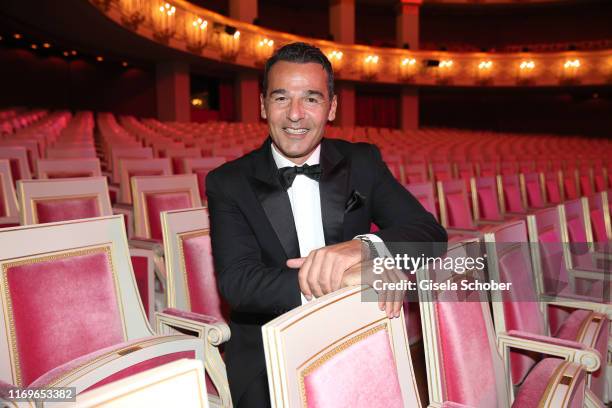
point(290, 218)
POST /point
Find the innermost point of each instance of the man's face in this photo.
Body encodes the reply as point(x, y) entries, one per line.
point(297, 106)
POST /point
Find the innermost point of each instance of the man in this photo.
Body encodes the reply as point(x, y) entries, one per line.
point(299, 201)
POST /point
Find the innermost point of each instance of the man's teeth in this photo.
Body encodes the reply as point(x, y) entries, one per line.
point(296, 131)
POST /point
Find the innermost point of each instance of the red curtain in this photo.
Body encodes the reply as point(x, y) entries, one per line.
point(377, 110)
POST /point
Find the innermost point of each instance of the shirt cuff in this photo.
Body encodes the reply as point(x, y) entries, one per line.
point(381, 248)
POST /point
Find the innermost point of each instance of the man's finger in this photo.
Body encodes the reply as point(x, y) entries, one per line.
point(303, 277)
point(315, 272)
point(295, 263)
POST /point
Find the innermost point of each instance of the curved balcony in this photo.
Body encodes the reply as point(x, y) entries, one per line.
point(186, 27)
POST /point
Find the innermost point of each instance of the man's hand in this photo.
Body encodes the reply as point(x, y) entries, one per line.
point(389, 301)
point(322, 270)
point(330, 268)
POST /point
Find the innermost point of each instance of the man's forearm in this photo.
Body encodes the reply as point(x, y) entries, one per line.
point(253, 288)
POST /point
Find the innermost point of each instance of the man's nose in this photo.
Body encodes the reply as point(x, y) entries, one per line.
point(296, 111)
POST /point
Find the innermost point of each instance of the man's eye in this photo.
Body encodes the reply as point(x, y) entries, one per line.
point(280, 99)
point(312, 100)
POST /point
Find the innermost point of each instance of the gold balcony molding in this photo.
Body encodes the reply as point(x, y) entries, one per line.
point(184, 26)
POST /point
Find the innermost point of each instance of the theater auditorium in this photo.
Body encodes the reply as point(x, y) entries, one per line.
point(202, 203)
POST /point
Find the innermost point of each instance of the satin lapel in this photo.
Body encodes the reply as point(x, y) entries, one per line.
point(275, 201)
point(333, 188)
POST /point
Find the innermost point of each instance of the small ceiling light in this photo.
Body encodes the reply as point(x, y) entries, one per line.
point(34, 46)
point(1, 38)
point(17, 36)
point(99, 59)
point(124, 63)
point(66, 53)
point(47, 45)
point(73, 52)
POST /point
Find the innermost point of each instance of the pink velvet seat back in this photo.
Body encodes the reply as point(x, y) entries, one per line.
point(533, 188)
point(553, 192)
point(466, 354)
point(362, 374)
point(551, 247)
point(487, 169)
point(415, 173)
point(3, 199)
point(201, 166)
point(425, 193)
point(63, 307)
point(586, 184)
point(441, 171)
point(66, 209)
point(164, 201)
point(512, 194)
point(597, 213)
point(204, 296)
point(457, 205)
point(520, 305)
point(569, 185)
point(485, 189)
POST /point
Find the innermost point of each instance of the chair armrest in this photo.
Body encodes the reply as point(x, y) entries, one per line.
point(150, 244)
point(569, 350)
point(578, 302)
point(596, 275)
point(470, 232)
point(591, 400)
point(448, 404)
point(213, 332)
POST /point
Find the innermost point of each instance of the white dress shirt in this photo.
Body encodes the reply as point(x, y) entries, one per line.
point(306, 206)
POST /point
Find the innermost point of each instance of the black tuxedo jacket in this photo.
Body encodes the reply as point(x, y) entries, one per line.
point(253, 235)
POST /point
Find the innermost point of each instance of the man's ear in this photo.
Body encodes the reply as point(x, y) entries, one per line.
point(262, 107)
point(332, 110)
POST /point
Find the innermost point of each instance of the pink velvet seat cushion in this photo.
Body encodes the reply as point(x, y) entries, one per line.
point(201, 280)
point(67, 209)
point(57, 372)
point(362, 375)
point(158, 202)
point(535, 386)
point(62, 309)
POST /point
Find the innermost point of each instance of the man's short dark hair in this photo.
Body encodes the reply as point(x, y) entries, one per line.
point(300, 53)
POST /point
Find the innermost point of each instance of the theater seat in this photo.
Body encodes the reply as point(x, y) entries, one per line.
point(9, 214)
point(509, 260)
point(178, 384)
point(192, 297)
point(360, 360)
point(53, 200)
point(469, 370)
point(73, 317)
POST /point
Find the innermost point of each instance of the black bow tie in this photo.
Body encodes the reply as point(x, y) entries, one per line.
point(287, 174)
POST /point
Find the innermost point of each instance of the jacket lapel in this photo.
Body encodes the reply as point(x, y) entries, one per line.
point(274, 200)
point(333, 188)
